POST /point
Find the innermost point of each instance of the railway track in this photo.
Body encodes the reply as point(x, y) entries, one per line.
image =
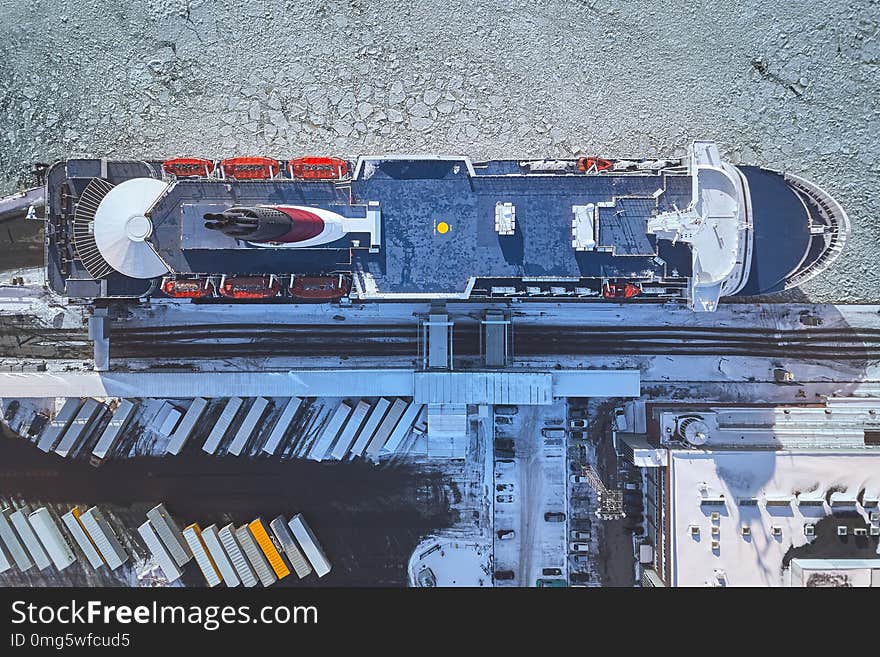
point(264, 340)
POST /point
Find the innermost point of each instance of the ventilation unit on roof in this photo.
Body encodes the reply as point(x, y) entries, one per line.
point(692, 429)
point(842, 530)
point(746, 530)
point(809, 530)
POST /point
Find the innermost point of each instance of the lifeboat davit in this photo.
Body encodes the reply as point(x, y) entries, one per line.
point(320, 287)
point(250, 168)
point(620, 290)
point(587, 164)
point(250, 287)
point(318, 168)
point(188, 167)
point(187, 288)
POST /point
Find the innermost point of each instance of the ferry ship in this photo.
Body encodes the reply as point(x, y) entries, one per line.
point(414, 227)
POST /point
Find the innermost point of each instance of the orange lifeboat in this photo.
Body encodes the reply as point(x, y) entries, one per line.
point(250, 287)
point(188, 167)
point(187, 288)
point(586, 164)
point(318, 168)
point(250, 168)
point(320, 287)
point(620, 290)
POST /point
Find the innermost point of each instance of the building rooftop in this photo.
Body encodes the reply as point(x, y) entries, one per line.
point(736, 515)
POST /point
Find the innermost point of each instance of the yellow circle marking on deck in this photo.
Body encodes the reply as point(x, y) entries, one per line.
point(442, 228)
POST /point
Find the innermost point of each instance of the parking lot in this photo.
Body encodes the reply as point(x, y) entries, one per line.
point(529, 499)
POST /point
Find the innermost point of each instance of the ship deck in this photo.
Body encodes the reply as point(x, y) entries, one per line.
point(414, 197)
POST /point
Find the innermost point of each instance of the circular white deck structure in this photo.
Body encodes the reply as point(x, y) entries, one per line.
point(122, 228)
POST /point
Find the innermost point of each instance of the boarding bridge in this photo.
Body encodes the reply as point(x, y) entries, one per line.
point(436, 339)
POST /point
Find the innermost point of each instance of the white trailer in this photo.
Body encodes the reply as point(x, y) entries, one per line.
point(309, 544)
point(71, 521)
point(384, 431)
point(322, 444)
point(10, 539)
point(53, 540)
point(80, 427)
point(193, 536)
point(218, 554)
point(246, 430)
point(255, 556)
point(187, 425)
point(370, 427)
point(340, 449)
point(113, 431)
point(30, 540)
point(102, 534)
point(160, 554)
point(236, 556)
point(54, 431)
point(5, 563)
point(403, 427)
point(222, 425)
point(170, 534)
point(282, 425)
point(282, 532)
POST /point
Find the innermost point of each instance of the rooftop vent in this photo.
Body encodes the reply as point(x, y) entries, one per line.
point(746, 530)
point(860, 531)
point(842, 530)
point(693, 430)
point(776, 530)
point(809, 530)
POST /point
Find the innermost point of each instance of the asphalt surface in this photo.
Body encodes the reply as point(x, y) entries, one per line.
point(368, 519)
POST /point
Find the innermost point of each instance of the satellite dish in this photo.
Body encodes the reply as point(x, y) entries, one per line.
point(122, 228)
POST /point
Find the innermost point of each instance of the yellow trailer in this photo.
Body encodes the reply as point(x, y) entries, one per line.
point(258, 531)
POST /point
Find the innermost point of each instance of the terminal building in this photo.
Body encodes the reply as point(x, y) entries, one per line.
point(759, 495)
point(694, 229)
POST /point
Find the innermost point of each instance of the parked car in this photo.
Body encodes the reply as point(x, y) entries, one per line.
point(577, 424)
point(506, 534)
point(11, 410)
point(504, 574)
point(554, 516)
point(577, 413)
point(580, 536)
point(504, 499)
point(501, 419)
point(579, 547)
point(579, 479)
point(580, 577)
point(552, 572)
point(37, 424)
point(581, 559)
point(553, 433)
point(501, 487)
point(504, 443)
point(620, 423)
point(506, 410)
point(632, 486)
point(577, 435)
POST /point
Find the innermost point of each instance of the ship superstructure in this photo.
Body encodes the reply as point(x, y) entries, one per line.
point(431, 227)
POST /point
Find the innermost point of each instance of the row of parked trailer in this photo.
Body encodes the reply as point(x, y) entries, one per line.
point(244, 555)
point(237, 556)
point(354, 428)
point(36, 539)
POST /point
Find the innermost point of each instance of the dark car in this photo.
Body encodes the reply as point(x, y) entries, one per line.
point(37, 424)
point(504, 574)
point(554, 516)
point(580, 577)
point(552, 572)
point(504, 443)
point(11, 410)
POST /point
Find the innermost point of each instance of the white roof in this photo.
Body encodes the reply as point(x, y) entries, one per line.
point(122, 229)
point(755, 560)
